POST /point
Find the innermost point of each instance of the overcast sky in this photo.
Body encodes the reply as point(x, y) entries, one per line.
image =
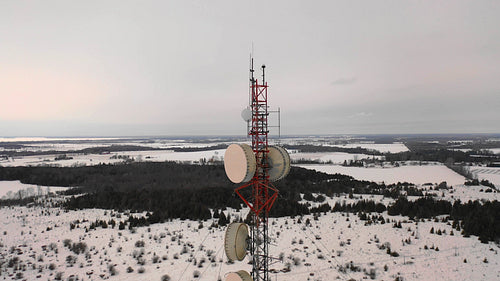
point(127, 68)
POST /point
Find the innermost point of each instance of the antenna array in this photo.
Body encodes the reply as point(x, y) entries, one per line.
point(263, 164)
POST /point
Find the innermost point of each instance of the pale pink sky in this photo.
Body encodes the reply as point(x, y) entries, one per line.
point(76, 68)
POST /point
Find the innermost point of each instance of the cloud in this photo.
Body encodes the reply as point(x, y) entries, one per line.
point(361, 115)
point(345, 81)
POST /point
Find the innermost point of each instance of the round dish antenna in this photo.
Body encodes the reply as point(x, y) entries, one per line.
point(239, 163)
point(279, 163)
point(246, 114)
point(235, 242)
point(241, 275)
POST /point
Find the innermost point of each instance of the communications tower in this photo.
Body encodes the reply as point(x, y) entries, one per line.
point(258, 166)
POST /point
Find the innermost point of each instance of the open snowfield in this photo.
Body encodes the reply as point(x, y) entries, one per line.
point(163, 155)
point(331, 141)
point(458, 192)
point(414, 174)
point(466, 193)
point(336, 246)
point(334, 157)
point(115, 157)
point(10, 189)
point(45, 139)
point(390, 147)
point(67, 144)
point(78, 146)
point(490, 174)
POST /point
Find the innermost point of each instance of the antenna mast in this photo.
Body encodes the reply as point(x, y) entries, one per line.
point(262, 165)
point(263, 193)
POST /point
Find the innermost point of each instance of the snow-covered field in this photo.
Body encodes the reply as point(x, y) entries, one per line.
point(434, 173)
point(45, 139)
point(391, 147)
point(334, 157)
point(115, 157)
point(73, 144)
point(12, 189)
point(336, 246)
point(487, 173)
point(418, 175)
point(492, 150)
point(163, 155)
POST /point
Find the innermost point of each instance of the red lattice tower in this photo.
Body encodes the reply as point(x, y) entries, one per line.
point(264, 194)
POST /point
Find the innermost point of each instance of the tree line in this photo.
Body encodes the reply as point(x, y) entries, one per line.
point(473, 217)
point(173, 190)
point(442, 155)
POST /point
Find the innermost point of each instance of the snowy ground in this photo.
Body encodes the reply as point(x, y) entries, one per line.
point(115, 157)
point(432, 173)
point(337, 246)
point(319, 251)
point(12, 189)
point(391, 147)
point(67, 144)
point(490, 174)
point(163, 155)
point(334, 157)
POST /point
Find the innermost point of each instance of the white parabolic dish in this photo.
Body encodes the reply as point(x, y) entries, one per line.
point(279, 163)
point(238, 276)
point(246, 114)
point(239, 163)
point(235, 241)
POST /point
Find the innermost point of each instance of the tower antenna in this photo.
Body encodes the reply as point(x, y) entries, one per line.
point(258, 165)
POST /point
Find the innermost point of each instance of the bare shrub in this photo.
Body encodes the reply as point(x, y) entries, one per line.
point(79, 247)
point(58, 276)
point(141, 261)
point(67, 243)
point(70, 260)
point(112, 270)
point(372, 273)
point(53, 246)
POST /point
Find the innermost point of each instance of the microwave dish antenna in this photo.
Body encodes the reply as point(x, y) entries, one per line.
point(279, 163)
point(241, 275)
point(239, 163)
point(246, 114)
point(235, 242)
